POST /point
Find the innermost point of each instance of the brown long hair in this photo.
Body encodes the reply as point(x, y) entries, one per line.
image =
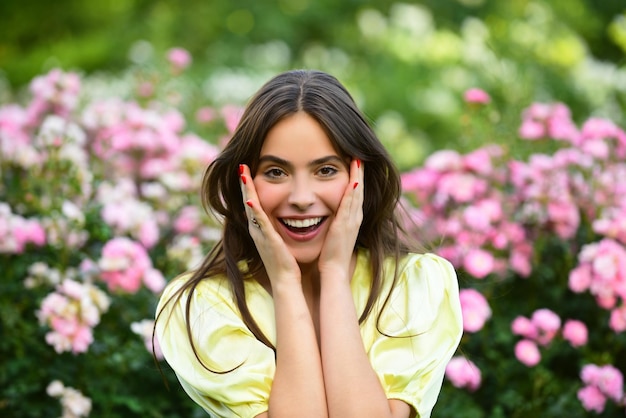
point(325, 99)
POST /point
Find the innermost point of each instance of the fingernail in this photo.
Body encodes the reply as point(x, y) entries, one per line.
point(249, 203)
point(240, 168)
point(358, 163)
point(356, 183)
point(243, 179)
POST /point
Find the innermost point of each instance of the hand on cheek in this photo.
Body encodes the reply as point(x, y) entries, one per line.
point(278, 261)
point(343, 232)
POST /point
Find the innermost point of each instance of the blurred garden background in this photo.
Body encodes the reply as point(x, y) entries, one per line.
point(506, 117)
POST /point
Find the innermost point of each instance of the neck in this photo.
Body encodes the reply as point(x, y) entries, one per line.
point(310, 275)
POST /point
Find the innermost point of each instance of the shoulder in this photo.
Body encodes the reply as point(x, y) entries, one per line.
point(426, 283)
point(205, 306)
point(212, 289)
point(416, 273)
point(425, 269)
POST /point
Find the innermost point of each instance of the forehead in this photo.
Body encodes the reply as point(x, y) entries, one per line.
point(297, 136)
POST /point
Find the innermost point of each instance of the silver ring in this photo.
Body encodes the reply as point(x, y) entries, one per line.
point(255, 223)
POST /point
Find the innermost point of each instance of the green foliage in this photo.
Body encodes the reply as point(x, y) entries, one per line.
point(408, 63)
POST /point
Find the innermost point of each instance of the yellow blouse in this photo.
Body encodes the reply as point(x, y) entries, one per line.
point(423, 309)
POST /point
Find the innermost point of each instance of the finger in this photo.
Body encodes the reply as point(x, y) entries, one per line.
point(256, 217)
point(244, 178)
point(357, 182)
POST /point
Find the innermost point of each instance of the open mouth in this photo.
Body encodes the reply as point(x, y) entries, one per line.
point(302, 226)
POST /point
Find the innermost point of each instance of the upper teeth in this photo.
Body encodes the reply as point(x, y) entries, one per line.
point(302, 223)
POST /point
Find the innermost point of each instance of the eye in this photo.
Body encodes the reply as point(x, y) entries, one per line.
point(274, 173)
point(327, 171)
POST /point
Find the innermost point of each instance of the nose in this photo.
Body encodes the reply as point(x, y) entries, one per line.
point(302, 194)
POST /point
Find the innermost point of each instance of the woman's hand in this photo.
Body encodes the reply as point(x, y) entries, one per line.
point(279, 263)
point(344, 230)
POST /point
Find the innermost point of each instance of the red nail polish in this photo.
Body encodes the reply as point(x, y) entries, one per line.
point(358, 163)
point(243, 179)
point(249, 203)
point(356, 183)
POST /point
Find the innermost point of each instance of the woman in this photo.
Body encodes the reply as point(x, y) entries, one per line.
point(311, 305)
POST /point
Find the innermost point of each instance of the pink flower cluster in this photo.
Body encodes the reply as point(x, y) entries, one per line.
point(84, 168)
point(463, 373)
point(584, 178)
point(17, 232)
point(601, 270)
point(547, 194)
point(462, 197)
point(602, 139)
point(147, 144)
point(612, 221)
point(140, 140)
point(56, 92)
point(600, 384)
point(71, 312)
point(540, 330)
point(126, 213)
point(488, 210)
point(475, 309)
point(125, 265)
point(542, 120)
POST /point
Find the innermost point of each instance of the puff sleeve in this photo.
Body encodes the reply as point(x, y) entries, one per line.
point(223, 343)
point(423, 326)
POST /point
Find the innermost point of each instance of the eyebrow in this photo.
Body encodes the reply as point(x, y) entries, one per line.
point(279, 161)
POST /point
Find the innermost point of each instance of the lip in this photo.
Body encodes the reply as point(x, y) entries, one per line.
point(301, 237)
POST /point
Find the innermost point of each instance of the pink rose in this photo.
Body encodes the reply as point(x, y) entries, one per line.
point(64, 326)
point(475, 309)
point(422, 182)
point(523, 326)
point(566, 218)
point(179, 58)
point(527, 353)
point(476, 95)
point(617, 322)
point(548, 324)
point(592, 399)
point(123, 264)
point(154, 280)
point(463, 373)
point(575, 332)
point(580, 278)
point(531, 129)
point(520, 259)
point(444, 160)
point(590, 374)
point(479, 161)
point(82, 339)
point(479, 263)
point(611, 382)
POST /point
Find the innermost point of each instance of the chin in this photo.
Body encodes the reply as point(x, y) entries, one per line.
point(306, 257)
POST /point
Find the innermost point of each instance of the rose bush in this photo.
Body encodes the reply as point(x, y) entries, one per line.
point(539, 245)
point(99, 208)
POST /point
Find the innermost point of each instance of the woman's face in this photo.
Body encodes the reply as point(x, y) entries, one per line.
point(300, 181)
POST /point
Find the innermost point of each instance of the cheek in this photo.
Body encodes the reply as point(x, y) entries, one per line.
point(334, 195)
point(268, 195)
